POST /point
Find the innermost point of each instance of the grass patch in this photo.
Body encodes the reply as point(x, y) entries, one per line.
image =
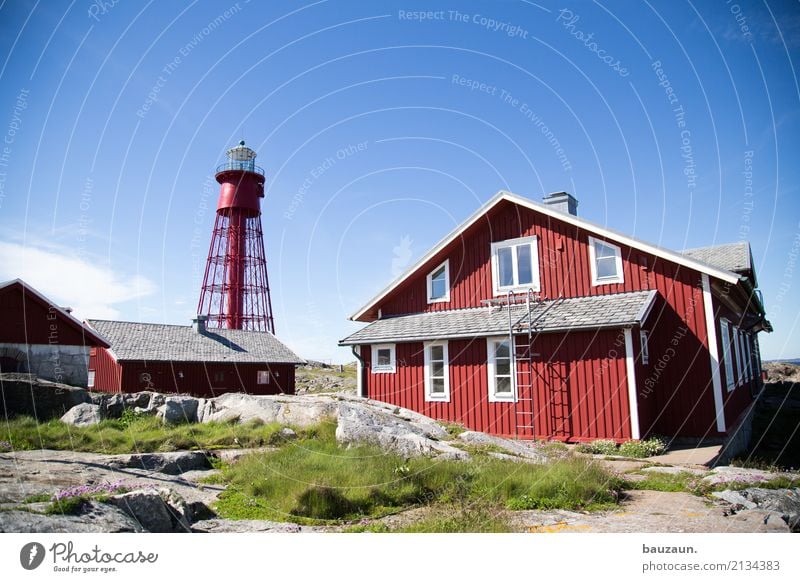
point(314, 480)
point(671, 482)
point(140, 434)
point(474, 518)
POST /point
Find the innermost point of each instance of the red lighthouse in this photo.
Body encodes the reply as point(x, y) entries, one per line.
point(235, 292)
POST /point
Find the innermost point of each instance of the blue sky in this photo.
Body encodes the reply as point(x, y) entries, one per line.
point(380, 130)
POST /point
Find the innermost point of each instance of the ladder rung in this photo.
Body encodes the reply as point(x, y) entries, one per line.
point(524, 399)
point(523, 412)
point(525, 426)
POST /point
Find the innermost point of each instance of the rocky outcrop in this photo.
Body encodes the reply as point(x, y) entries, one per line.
point(95, 518)
point(393, 429)
point(783, 504)
point(299, 411)
point(177, 409)
point(156, 510)
point(168, 463)
point(113, 405)
point(247, 526)
point(32, 396)
point(84, 414)
point(727, 474)
point(510, 449)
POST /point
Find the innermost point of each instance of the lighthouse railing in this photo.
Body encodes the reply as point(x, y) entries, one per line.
point(247, 166)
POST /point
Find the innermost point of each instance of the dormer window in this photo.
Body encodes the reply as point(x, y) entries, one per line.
point(605, 261)
point(515, 265)
point(439, 283)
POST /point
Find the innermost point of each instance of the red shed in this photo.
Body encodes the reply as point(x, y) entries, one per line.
point(190, 360)
point(528, 321)
point(41, 338)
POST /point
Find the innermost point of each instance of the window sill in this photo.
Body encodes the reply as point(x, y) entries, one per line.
point(523, 289)
point(444, 299)
point(384, 370)
point(609, 281)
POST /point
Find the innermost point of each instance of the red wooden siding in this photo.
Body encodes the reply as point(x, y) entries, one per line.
point(27, 321)
point(195, 378)
point(580, 387)
point(744, 391)
point(107, 371)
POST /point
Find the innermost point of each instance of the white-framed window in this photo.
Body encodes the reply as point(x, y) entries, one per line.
point(437, 372)
point(727, 357)
point(438, 282)
point(383, 359)
point(744, 376)
point(737, 348)
point(515, 265)
point(605, 262)
point(262, 377)
point(644, 336)
point(219, 376)
point(749, 355)
point(501, 369)
point(90, 379)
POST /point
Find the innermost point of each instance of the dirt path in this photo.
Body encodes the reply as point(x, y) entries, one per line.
point(651, 512)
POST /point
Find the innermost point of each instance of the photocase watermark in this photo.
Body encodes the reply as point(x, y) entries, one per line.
point(568, 20)
point(199, 241)
point(401, 255)
point(169, 69)
point(741, 19)
point(486, 22)
point(320, 170)
point(31, 555)
point(6, 148)
point(100, 8)
point(748, 205)
point(788, 274)
point(687, 152)
point(526, 110)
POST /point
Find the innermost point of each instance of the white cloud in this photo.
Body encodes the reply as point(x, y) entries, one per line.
point(91, 289)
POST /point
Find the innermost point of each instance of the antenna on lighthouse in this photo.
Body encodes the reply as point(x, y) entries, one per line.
point(235, 291)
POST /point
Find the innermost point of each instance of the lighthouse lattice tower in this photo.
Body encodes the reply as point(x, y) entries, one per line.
point(235, 292)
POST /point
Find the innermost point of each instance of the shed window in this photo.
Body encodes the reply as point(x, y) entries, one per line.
point(219, 376)
point(437, 373)
point(501, 370)
point(644, 336)
point(605, 261)
point(383, 359)
point(438, 282)
point(90, 379)
point(262, 377)
point(515, 265)
point(737, 348)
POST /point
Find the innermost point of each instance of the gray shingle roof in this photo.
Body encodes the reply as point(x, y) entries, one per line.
point(731, 257)
point(601, 311)
point(180, 343)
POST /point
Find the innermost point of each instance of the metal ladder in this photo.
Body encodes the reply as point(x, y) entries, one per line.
point(522, 366)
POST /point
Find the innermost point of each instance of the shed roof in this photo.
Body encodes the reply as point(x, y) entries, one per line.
point(181, 343)
point(581, 313)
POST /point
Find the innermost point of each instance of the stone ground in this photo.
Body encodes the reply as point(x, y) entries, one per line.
point(27, 473)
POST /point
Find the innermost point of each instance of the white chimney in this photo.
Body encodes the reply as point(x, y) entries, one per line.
point(562, 202)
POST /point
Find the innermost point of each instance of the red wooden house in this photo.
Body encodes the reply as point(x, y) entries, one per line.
point(40, 338)
point(190, 360)
point(528, 321)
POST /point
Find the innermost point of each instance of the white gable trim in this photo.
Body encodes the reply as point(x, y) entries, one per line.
point(586, 225)
point(713, 351)
point(633, 404)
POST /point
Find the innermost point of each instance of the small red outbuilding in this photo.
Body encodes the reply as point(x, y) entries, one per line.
point(190, 360)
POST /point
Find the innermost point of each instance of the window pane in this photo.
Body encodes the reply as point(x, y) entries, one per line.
point(606, 267)
point(504, 266)
point(384, 357)
point(503, 368)
point(601, 250)
point(437, 353)
point(437, 386)
point(438, 284)
point(501, 350)
point(437, 369)
point(503, 385)
point(524, 265)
